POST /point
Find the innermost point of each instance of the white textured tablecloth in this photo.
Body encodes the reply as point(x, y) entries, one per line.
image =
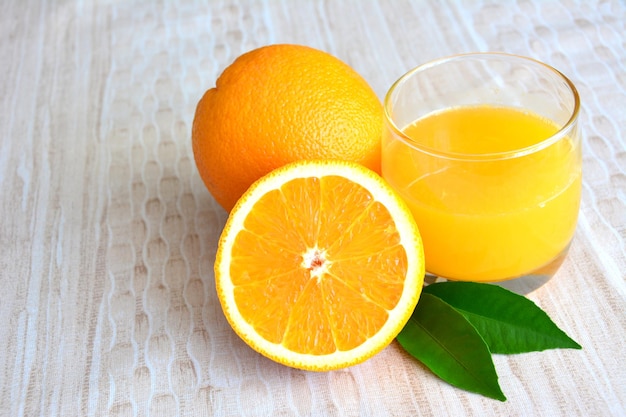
point(107, 235)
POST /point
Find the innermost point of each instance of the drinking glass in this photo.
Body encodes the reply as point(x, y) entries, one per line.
point(485, 148)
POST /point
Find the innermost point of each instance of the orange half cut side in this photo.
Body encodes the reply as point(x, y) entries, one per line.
point(320, 265)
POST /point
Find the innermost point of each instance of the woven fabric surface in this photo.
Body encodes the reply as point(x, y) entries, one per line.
point(108, 236)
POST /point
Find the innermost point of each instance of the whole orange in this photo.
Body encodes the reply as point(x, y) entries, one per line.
point(278, 104)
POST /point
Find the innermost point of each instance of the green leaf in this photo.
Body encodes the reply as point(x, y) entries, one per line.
point(508, 322)
point(442, 339)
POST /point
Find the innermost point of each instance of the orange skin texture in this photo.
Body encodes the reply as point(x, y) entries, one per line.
point(279, 104)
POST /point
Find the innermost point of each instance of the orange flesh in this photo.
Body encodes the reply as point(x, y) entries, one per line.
point(300, 276)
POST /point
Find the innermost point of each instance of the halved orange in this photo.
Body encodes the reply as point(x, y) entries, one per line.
point(320, 265)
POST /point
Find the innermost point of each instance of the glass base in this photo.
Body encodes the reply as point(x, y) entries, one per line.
point(524, 284)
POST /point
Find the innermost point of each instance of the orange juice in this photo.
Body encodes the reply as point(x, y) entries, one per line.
point(496, 200)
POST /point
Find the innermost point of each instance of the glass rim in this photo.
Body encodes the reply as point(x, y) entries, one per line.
point(489, 156)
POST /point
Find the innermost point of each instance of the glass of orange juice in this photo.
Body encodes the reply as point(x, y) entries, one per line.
point(485, 149)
